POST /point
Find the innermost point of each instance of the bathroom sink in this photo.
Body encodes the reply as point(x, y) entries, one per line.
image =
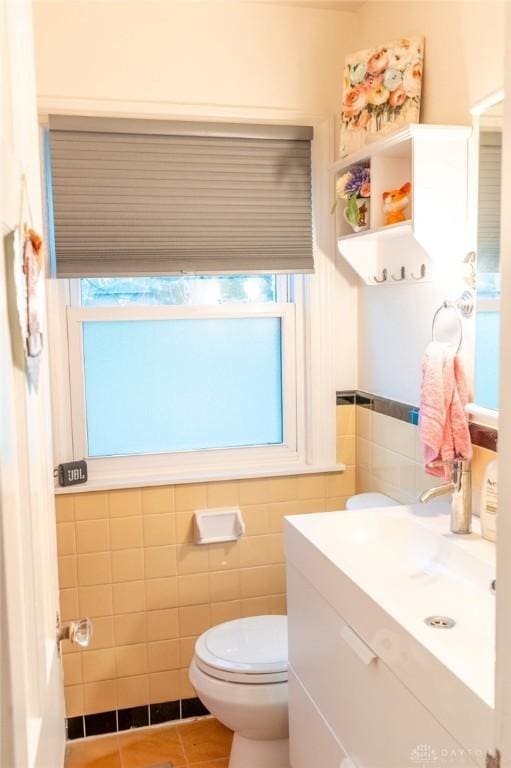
point(410, 565)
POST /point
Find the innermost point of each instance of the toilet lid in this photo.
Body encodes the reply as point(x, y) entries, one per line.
point(256, 645)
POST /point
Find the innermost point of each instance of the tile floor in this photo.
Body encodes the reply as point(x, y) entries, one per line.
point(203, 743)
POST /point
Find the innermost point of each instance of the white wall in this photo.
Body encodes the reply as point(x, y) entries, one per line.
point(464, 61)
point(182, 51)
point(253, 60)
point(242, 59)
point(464, 48)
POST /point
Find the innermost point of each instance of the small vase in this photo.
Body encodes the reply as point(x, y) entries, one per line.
point(356, 213)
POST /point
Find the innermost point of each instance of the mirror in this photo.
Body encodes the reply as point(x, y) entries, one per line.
point(488, 123)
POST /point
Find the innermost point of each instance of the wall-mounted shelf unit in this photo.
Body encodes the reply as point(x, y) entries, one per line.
point(434, 159)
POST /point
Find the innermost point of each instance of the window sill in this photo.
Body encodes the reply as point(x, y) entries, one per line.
point(486, 417)
point(111, 484)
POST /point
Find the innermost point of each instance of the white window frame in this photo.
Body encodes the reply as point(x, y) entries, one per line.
point(146, 469)
point(314, 306)
point(141, 464)
point(479, 413)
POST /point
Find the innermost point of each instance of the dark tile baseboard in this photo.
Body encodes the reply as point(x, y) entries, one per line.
point(401, 411)
point(484, 437)
point(119, 720)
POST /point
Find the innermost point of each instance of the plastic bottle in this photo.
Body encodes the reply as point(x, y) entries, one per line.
point(489, 499)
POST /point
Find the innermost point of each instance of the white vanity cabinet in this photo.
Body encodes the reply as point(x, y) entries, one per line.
point(362, 693)
point(313, 743)
point(359, 707)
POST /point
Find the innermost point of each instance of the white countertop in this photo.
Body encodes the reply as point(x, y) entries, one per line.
point(407, 561)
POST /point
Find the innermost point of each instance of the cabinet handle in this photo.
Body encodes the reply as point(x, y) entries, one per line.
point(357, 645)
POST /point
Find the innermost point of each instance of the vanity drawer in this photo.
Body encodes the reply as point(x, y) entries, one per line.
point(371, 713)
point(311, 741)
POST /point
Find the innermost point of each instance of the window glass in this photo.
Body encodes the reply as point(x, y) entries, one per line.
point(489, 205)
point(487, 359)
point(488, 261)
point(186, 289)
point(182, 385)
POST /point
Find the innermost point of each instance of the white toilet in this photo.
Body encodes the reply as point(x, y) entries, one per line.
point(239, 672)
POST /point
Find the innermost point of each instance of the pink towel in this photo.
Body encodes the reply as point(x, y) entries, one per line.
point(443, 422)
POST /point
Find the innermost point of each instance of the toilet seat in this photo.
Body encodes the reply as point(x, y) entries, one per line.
point(250, 651)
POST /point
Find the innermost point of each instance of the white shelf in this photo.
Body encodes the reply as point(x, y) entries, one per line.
point(393, 143)
point(432, 158)
point(376, 233)
point(386, 145)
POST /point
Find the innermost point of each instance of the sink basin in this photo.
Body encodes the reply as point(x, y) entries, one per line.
point(406, 560)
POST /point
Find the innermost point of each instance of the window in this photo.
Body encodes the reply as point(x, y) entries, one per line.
point(187, 339)
point(182, 383)
point(182, 369)
point(232, 289)
point(487, 332)
point(487, 343)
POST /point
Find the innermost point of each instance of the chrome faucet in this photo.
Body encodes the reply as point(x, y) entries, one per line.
point(461, 489)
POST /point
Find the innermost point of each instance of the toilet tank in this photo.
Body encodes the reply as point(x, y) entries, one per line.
point(366, 500)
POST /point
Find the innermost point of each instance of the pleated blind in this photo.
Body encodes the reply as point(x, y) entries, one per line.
point(490, 167)
point(144, 197)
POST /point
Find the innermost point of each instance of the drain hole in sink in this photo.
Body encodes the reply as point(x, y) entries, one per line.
point(440, 622)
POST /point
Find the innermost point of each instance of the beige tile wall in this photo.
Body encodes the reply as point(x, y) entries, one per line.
point(127, 560)
point(389, 459)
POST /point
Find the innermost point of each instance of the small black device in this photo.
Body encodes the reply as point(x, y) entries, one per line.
point(72, 472)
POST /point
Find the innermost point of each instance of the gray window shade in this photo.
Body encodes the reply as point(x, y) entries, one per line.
point(490, 164)
point(133, 197)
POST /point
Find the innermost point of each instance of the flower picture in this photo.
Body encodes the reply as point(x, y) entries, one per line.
point(381, 92)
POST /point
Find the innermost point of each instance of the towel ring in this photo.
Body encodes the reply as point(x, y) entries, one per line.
point(464, 307)
point(448, 305)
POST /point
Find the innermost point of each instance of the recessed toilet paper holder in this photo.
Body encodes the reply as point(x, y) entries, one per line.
point(215, 525)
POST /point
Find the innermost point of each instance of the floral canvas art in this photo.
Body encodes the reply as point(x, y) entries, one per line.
point(381, 92)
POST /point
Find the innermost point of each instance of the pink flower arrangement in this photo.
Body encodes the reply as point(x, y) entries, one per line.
point(355, 100)
point(372, 81)
point(365, 189)
point(353, 184)
point(378, 62)
point(382, 88)
point(397, 98)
